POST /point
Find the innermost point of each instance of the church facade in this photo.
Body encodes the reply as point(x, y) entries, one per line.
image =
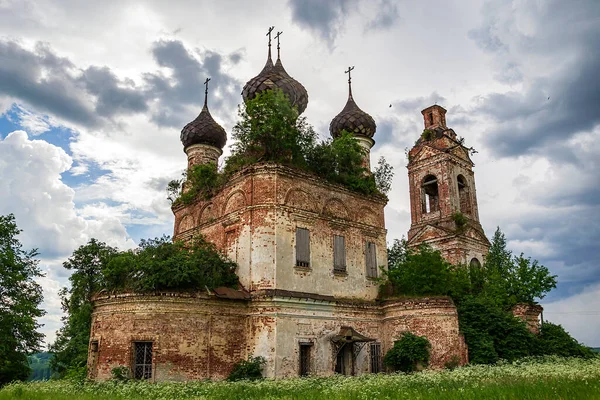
point(309, 255)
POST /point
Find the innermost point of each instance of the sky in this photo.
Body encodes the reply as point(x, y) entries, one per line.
point(93, 96)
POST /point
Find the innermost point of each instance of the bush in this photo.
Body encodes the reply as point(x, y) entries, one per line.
point(554, 340)
point(460, 220)
point(76, 374)
point(250, 369)
point(453, 363)
point(120, 373)
point(408, 352)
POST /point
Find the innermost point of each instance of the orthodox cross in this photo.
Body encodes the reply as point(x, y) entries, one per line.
point(349, 79)
point(277, 37)
point(269, 34)
point(206, 90)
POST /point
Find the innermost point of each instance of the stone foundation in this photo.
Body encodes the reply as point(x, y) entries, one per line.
point(197, 336)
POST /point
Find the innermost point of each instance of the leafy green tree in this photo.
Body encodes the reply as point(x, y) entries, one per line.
point(420, 272)
point(409, 351)
point(160, 264)
point(491, 332)
point(20, 297)
point(269, 129)
point(71, 345)
point(514, 279)
point(383, 174)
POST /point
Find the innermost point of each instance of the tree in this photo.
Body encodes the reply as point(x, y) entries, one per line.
point(71, 345)
point(492, 333)
point(514, 279)
point(419, 272)
point(20, 297)
point(160, 264)
point(383, 174)
point(269, 129)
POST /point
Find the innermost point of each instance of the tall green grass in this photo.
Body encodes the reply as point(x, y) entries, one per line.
point(547, 378)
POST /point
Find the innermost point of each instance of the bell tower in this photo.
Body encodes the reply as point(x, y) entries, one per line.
point(443, 200)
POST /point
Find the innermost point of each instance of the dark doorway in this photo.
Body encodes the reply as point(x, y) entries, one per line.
point(344, 363)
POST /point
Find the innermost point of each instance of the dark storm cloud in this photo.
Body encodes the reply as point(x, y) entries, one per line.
point(561, 94)
point(93, 96)
point(326, 18)
point(43, 80)
point(553, 49)
point(185, 86)
point(387, 15)
point(323, 17)
point(111, 96)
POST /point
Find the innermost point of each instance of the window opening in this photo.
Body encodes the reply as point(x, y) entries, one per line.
point(142, 368)
point(376, 365)
point(371, 254)
point(463, 195)
point(302, 247)
point(305, 358)
point(339, 254)
point(430, 196)
point(430, 118)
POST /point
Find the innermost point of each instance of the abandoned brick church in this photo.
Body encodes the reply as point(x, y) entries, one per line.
point(308, 253)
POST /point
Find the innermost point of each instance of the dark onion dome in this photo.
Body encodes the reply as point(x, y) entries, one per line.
point(204, 129)
point(352, 119)
point(275, 76)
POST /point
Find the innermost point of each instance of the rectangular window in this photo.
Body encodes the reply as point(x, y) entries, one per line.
point(376, 366)
point(142, 361)
point(371, 260)
point(302, 247)
point(305, 358)
point(339, 254)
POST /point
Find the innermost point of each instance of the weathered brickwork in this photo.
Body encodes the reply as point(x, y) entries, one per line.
point(200, 336)
point(193, 336)
point(442, 183)
point(530, 313)
point(255, 217)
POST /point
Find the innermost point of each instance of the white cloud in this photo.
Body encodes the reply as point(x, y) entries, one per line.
point(578, 314)
point(34, 123)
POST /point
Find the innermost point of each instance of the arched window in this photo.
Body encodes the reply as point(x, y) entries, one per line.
point(429, 194)
point(463, 195)
point(475, 263)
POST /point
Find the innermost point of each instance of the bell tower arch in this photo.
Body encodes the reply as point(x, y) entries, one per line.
point(443, 199)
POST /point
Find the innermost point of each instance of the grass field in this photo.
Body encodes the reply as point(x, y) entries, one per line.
point(547, 378)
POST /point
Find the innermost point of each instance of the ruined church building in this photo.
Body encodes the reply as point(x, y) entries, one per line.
point(308, 252)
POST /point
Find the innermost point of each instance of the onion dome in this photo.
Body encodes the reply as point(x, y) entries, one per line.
point(352, 119)
point(275, 76)
point(204, 129)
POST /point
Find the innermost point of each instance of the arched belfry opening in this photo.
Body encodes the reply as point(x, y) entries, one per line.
point(464, 197)
point(430, 194)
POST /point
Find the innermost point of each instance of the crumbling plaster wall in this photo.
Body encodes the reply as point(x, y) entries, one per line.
point(197, 336)
point(254, 218)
